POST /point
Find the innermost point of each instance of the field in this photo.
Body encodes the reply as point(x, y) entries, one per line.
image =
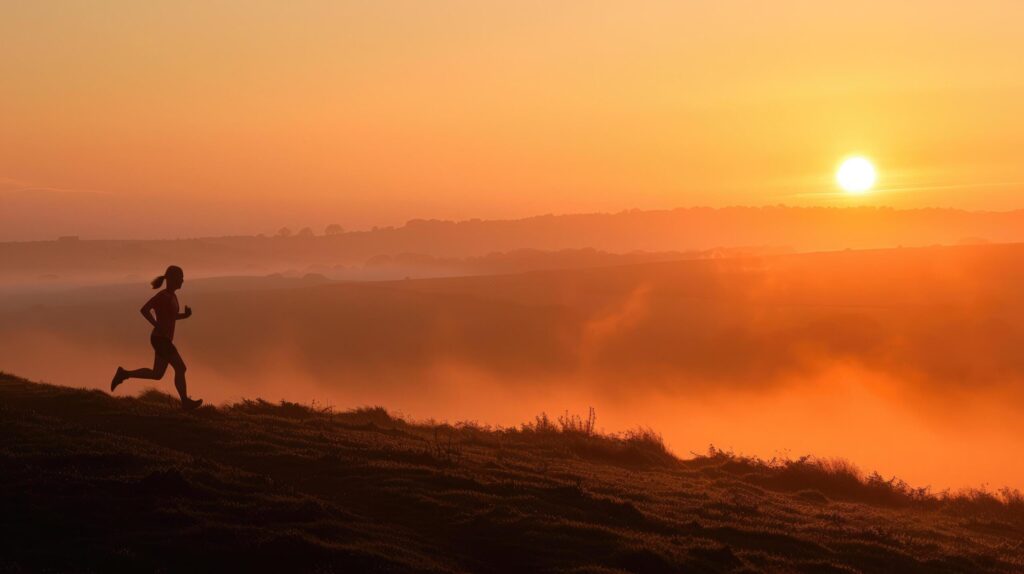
point(92, 483)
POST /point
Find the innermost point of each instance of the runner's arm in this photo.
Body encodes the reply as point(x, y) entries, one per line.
point(147, 310)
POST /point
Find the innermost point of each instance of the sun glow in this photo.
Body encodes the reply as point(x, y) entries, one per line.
point(856, 175)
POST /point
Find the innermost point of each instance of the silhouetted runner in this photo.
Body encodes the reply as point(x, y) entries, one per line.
point(165, 306)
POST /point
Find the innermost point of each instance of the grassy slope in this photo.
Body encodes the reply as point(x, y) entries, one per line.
point(94, 483)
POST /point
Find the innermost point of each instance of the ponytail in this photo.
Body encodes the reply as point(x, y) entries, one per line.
point(174, 272)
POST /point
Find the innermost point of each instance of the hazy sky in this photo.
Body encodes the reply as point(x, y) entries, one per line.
point(245, 116)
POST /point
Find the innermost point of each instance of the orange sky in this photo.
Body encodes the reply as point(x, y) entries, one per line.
point(252, 115)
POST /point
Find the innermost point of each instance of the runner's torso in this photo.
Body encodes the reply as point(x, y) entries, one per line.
point(165, 305)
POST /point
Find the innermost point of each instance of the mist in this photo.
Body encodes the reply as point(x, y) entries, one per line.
point(908, 369)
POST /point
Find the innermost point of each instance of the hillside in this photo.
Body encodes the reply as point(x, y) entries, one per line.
point(95, 483)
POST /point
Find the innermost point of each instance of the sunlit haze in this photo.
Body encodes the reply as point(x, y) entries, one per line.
point(245, 117)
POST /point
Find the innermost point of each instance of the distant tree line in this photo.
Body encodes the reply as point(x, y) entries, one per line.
point(332, 229)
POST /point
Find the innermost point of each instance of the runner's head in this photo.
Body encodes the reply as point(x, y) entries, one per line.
point(174, 277)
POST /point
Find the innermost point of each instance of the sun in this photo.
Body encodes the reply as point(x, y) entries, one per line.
point(856, 175)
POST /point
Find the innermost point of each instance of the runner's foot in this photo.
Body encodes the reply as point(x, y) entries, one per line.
point(117, 380)
point(191, 404)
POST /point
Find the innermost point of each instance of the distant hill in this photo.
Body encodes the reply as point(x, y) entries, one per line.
point(683, 231)
point(91, 483)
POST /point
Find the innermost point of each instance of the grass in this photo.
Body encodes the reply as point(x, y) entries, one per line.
point(841, 480)
point(93, 483)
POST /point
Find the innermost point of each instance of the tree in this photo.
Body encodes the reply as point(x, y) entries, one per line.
point(334, 229)
point(284, 232)
point(305, 232)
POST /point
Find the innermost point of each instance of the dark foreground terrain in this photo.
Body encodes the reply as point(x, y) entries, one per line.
point(93, 483)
